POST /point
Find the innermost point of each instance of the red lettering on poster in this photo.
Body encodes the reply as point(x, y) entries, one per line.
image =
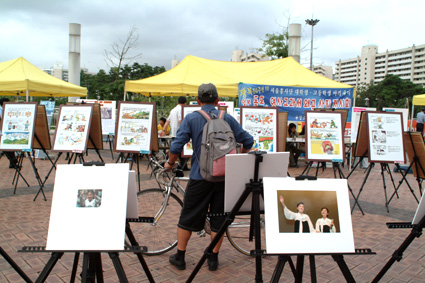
point(299, 102)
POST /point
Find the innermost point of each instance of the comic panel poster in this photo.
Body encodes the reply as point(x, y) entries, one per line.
point(187, 109)
point(73, 127)
point(324, 136)
point(386, 142)
point(107, 114)
point(261, 123)
point(17, 126)
point(134, 127)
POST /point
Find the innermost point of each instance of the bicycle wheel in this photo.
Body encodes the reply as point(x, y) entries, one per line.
point(161, 236)
point(238, 234)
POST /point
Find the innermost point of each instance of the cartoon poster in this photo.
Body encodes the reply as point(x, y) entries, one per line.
point(261, 123)
point(73, 127)
point(324, 136)
point(187, 109)
point(17, 126)
point(134, 127)
point(355, 118)
point(386, 142)
point(107, 114)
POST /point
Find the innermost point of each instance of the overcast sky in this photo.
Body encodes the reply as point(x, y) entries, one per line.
point(173, 29)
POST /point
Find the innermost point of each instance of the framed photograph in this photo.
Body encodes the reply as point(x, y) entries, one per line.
point(262, 124)
point(243, 166)
point(386, 142)
point(72, 129)
point(88, 207)
point(134, 128)
point(310, 216)
point(18, 126)
point(324, 137)
point(186, 110)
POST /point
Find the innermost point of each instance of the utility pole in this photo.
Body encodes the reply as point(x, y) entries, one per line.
point(312, 23)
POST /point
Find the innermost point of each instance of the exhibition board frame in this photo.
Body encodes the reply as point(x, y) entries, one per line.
point(186, 110)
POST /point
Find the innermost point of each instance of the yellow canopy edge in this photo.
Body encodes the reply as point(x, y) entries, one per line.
point(18, 75)
point(185, 78)
point(418, 99)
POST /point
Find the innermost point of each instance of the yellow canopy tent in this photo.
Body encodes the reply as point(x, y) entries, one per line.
point(21, 78)
point(185, 78)
point(417, 100)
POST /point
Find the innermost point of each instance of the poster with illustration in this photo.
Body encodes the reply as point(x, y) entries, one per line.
point(314, 216)
point(261, 123)
point(17, 127)
point(87, 208)
point(324, 136)
point(386, 143)
point(187, 109)
point(355, 118)
point(134, 128)
point(107, 114)
point(73, 127)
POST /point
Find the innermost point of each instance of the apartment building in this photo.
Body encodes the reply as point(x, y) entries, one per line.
point(59, 72)
point(407, 63)
point(239, 56)
point(323, 70)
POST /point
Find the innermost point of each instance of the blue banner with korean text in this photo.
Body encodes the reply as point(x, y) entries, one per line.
point(295, 100)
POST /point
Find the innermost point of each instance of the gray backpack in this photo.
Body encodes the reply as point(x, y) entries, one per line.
point(217, 141)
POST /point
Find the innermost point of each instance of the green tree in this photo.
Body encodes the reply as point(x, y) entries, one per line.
point(275, 45)
point(390, 92)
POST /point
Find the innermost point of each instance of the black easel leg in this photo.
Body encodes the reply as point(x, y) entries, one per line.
point(142, 261)
point(313, 269)
point(356, 200)
point(257, 227)
point(401, 182)
point(138, 171)
point(383, 168)
point(53, 167)
point(37, 176)
point(118, 267)
point(98, 267)
point(341, 175)
point(15, 266)
point(300, 269)
point(49, 266)
point(344, 268)
point(85, 267)
point(74, 267)
point(277, 273)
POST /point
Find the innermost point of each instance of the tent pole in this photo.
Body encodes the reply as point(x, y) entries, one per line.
point(27, 95)
point(411, 117)
point(125, 95)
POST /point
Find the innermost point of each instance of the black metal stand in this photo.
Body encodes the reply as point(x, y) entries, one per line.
point(110, 141)
point(37, 176)
point(416, 232)
point(298, 271)
point(310, 165)
point(14, 266)
point(256, 188)
point(384, 168)
point(18, 167)
point(92, 264)
point(132, 157)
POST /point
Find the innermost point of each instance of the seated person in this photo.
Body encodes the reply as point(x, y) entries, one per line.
point(293, 147)
point(161, 130)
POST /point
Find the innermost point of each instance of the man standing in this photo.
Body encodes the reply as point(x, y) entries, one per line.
point(200, 194)
point(420, 120)
point(174, 120)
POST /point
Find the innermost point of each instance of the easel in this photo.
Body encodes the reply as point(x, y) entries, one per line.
point(92, 263)
point(298, 271)
point(416, 232)
point(256, 188)
point(110, 139)
point(133, 157)
point(13, 264)
point(415, 149)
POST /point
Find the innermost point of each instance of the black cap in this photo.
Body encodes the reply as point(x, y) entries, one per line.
point(207, 91)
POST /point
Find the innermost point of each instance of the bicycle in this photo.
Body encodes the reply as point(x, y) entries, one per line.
point(164, 204)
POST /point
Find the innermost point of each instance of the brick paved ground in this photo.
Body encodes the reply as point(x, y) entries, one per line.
point(24, 222)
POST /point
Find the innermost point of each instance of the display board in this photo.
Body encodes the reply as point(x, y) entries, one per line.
point(414, 144)
point(281, 226)
point(17, 126)
point(362, 141)
point(243, 166)
point(262, 124)
point(355, 118)
point(230, 105)
point(72, 128)
point(89, 207)
point(95, 133)
point(186, 110)
point(344, 113)
point(324, 136)
point(42, 130)
point(282, 130)
point(134, 129)
point(132, 208)
point(50, 108)
point(107, 113)
point(385, 130)
point(404, 112)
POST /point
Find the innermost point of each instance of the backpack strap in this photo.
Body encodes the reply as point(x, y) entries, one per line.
point(204, 114)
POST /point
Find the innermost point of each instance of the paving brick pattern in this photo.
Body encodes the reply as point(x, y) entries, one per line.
point(24, 222)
